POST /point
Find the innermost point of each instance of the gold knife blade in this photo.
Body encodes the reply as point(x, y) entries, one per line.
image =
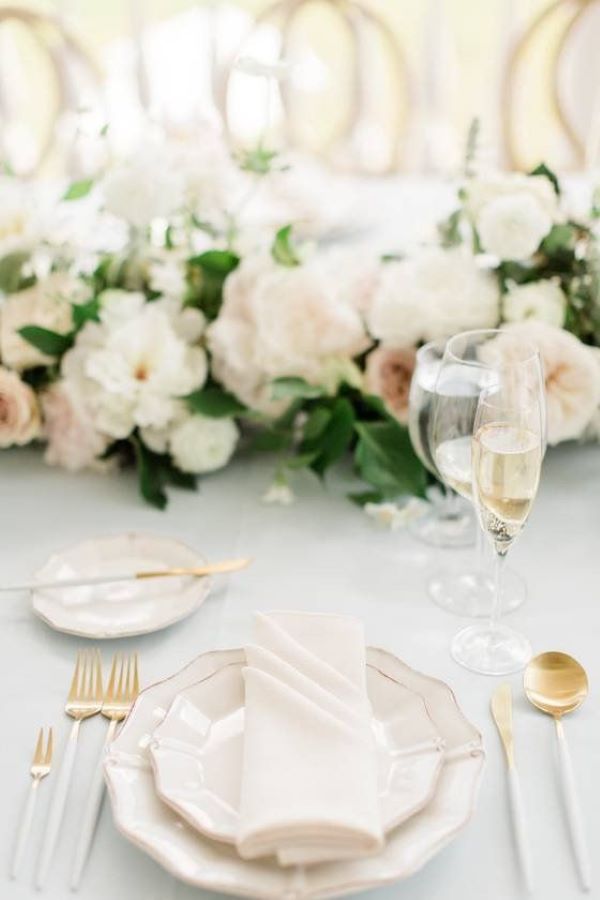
point(502, 713)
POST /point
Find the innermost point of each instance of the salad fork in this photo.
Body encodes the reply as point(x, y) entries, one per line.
point(121, 692)
point(84, 700)
point(40, 767)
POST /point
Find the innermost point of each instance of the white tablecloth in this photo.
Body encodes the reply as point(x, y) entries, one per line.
point(322, 554)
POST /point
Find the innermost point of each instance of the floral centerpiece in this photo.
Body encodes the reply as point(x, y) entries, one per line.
point(139, 324)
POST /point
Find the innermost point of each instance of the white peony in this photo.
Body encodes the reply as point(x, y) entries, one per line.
point(47, 304)
point(277, 321)
point(432, 295)
point(571, 372)
point(543, 300)
point(133, 366)
point(144, 187)
point(24, 213)
point(166, 276)
point(199, 444)
point(512, 213)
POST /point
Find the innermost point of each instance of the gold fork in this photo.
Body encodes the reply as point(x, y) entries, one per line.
point(84, 700)
point(121, 692)
point(40, 766)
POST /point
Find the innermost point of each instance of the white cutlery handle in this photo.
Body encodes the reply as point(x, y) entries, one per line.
point(573, 807)
point(24, 828)
point(91, 815)
point(520, 826)
point(57, 808)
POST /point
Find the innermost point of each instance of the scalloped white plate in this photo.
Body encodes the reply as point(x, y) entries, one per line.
point(214, 865)
point(124, 608)
point(196, 752)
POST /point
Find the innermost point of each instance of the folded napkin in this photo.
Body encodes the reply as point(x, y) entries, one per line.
point(309, 776)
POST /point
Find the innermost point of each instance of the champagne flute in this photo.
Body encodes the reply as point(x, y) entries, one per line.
point(508, 448)
point(448, 523)
point(466, 370)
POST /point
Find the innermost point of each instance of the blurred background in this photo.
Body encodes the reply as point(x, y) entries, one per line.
point(371, 86)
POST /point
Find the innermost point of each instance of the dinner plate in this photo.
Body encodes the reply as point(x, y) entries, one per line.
point(214, 865)
point(196, 752)
point(123, 608)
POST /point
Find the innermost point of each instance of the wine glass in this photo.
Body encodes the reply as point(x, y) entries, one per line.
point(467, 369)
point(448, 523)
point(507, 449)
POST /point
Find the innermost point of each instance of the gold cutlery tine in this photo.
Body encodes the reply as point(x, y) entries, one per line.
point(40, 767)
point(83, 700)
point(501, 705)
point(121, 691)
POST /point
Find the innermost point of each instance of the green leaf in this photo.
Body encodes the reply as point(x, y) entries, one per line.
point(49, 342)
point(214, 403)
point(11, 271)
point(361, 498)
point(79, 189)
point(299, 461)
point(449, 230)
point(317, 420)
point(560, 240)
point(292, 388)
point(179, 479)
point(207, 273)
point(151, 475)
point(334, 440)
point(545, 172)
point(386, 460)
point(283, 250)
point(259, 160)
point(85, 312)
point(270, 440)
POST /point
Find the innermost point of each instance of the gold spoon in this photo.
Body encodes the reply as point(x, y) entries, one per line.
point(557, 684)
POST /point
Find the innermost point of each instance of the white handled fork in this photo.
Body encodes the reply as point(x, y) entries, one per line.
point(40, 767)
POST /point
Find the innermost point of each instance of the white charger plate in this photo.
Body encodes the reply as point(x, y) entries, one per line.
point(196, 752)
point(214, 865)
point(124, 608)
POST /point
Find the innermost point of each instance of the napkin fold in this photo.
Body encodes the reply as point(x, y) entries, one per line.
point(309, 778)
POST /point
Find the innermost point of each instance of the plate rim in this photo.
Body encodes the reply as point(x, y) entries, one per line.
point(108, 634)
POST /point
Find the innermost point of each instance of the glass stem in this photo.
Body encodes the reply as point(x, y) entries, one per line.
point(480, 560)
point(497, 602)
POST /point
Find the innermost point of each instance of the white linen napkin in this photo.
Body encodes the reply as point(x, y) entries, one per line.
point(309, 778)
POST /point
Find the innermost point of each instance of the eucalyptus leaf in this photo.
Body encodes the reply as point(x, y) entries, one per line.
point(291, 388)
point(78, 189)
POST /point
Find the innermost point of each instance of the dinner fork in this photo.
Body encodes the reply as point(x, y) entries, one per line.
point(40, 767)
point(84, 700)
point(121, 692)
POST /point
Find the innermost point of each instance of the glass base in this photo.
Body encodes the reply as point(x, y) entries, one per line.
point(472, 593)
point(488, 650)
point(439, 529)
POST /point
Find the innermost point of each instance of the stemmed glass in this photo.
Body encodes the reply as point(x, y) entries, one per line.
point(507, 450)
point(465, 371)
point(449, 522)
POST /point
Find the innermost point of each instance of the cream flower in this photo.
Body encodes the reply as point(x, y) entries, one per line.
point(48, 304)
point(133, 366)
point(277, 321)
point(199, 444)
point(512, 213)
point(19, 411)
point(571, 372)
point(144, 187)
point(392, 516)
point(543, 300)
point(73, 441)
point(388, 375)
point(22, 215)
point(430, 296)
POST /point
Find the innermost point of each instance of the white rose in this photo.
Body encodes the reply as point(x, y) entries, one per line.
point(543, 300)
point(145, 187)
point(512, 213)
point(166, 276)
point(200, 444)
point(24, 214)
point(572, 376)
point(277, 321)
point(73, 441)
point(47, 304)
point(19, 411)
point(432, 295)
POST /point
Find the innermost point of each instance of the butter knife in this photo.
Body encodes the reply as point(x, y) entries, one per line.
point(502, 713)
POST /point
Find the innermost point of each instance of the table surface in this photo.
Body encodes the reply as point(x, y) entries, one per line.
point(321, 553)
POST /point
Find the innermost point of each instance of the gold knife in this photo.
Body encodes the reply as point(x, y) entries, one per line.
point(502, 713)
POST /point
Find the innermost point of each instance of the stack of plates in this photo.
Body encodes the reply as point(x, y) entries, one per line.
point(174, 774)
